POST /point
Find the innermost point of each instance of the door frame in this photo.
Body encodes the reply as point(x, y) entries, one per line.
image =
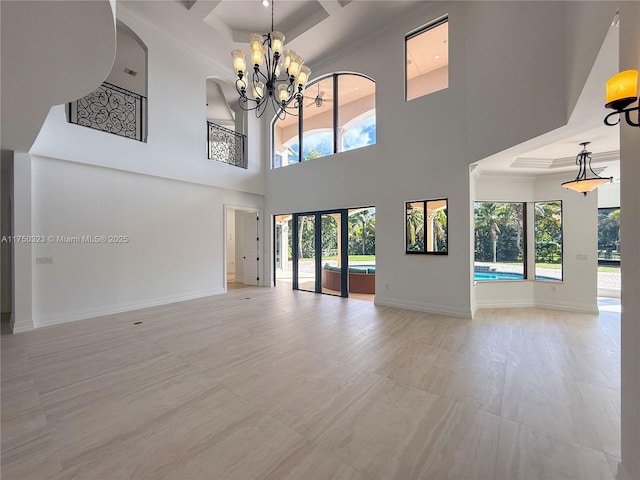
point(344, 253)
point(260, 243)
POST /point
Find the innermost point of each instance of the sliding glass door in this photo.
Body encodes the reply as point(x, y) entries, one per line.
point(304, 259)
point(320, 254)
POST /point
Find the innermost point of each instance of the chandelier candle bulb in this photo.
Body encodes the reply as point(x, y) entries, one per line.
point(287, 58)
point(239, 61)
point(303, 76)
point(277, 42)
point(622, 90)
point(258, 90)
point(294, 65)
point(257, 49)
point(283, 93)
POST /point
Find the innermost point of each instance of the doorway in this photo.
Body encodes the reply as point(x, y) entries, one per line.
point(330, 252)
point(242, 247)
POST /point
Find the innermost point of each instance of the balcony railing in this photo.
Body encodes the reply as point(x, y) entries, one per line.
point(226, 146)
point(111, 109)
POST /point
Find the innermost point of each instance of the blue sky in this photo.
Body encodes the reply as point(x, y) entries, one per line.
point(359, 135)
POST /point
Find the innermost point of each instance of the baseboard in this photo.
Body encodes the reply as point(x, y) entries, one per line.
point(523, 303)
point(603, 292)
point(511, 303)
point(423, 307)
point(73, 316)
point(569, 307)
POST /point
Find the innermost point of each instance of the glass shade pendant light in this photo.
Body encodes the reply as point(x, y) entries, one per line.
point(582, 183)
point(264, 85)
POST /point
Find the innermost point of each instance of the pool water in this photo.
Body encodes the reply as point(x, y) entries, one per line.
point(498, 276)
point(480, 276)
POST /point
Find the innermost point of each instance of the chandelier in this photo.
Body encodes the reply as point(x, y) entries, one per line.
point(267, 86)
point(582, 183)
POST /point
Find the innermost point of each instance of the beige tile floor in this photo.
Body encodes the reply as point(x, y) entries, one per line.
point(274, 384)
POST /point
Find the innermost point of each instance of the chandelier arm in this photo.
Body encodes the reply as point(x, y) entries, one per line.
point(594, 173)
point(256, 75)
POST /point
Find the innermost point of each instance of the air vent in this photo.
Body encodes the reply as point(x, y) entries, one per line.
point(128, 71)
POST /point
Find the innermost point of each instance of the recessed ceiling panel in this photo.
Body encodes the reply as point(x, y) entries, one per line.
point(251, 16)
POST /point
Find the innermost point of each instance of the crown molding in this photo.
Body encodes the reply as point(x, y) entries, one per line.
point(553, 163)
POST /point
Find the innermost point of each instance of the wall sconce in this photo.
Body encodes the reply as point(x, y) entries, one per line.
point(582, 183)
point(622, 91)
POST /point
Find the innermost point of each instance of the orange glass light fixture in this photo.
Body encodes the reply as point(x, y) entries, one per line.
point(582, 183)
point(622, 91)
point(284, 92)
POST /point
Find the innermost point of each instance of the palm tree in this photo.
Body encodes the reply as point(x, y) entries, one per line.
point(490, 214)
point(366, 219)
point(415, 225)
point(440, 229)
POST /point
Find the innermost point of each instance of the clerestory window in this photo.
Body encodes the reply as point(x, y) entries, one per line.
point(427, 59)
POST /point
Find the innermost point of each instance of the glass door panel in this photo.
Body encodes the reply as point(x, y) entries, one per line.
point(306, 252)
point(331, 253)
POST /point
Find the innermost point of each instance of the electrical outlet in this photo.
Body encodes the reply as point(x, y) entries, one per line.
point(45, 260)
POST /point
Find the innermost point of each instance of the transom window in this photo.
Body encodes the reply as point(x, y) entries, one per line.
point(427, 59)
point(338, 114)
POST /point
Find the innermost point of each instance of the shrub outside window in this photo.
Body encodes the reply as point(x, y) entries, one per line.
point(337, 114)
point(548, 244)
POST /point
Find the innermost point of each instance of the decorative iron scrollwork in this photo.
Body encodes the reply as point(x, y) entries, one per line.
point(111, 109)
point(226, 146)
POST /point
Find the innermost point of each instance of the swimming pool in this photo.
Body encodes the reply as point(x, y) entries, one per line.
point(481, 276)
point(498, 276)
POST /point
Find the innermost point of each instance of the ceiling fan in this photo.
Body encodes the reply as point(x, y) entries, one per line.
point(319, 100)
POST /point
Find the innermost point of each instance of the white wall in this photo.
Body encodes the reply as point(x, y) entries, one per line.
point(424, 147)
point(22, 252)
point(609, 195)
point(176, 146)
point(175, 248)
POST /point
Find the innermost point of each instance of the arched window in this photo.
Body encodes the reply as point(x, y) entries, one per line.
point(338, 114)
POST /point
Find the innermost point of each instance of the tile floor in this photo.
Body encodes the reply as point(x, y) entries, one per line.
point(273, 384)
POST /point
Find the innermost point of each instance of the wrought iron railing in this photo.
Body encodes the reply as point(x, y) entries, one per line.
point(226, 146)
point(111, 109)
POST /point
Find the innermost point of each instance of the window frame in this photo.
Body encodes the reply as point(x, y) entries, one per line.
point(335, 102)
point(424, 209)
point(535, 244)
point(525, 242)
point(419, 31)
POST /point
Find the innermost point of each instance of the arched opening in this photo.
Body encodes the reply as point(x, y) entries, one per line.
point(226, 125)
point(119, 105)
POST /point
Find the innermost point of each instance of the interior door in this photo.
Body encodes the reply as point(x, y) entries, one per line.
point(248, 222)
